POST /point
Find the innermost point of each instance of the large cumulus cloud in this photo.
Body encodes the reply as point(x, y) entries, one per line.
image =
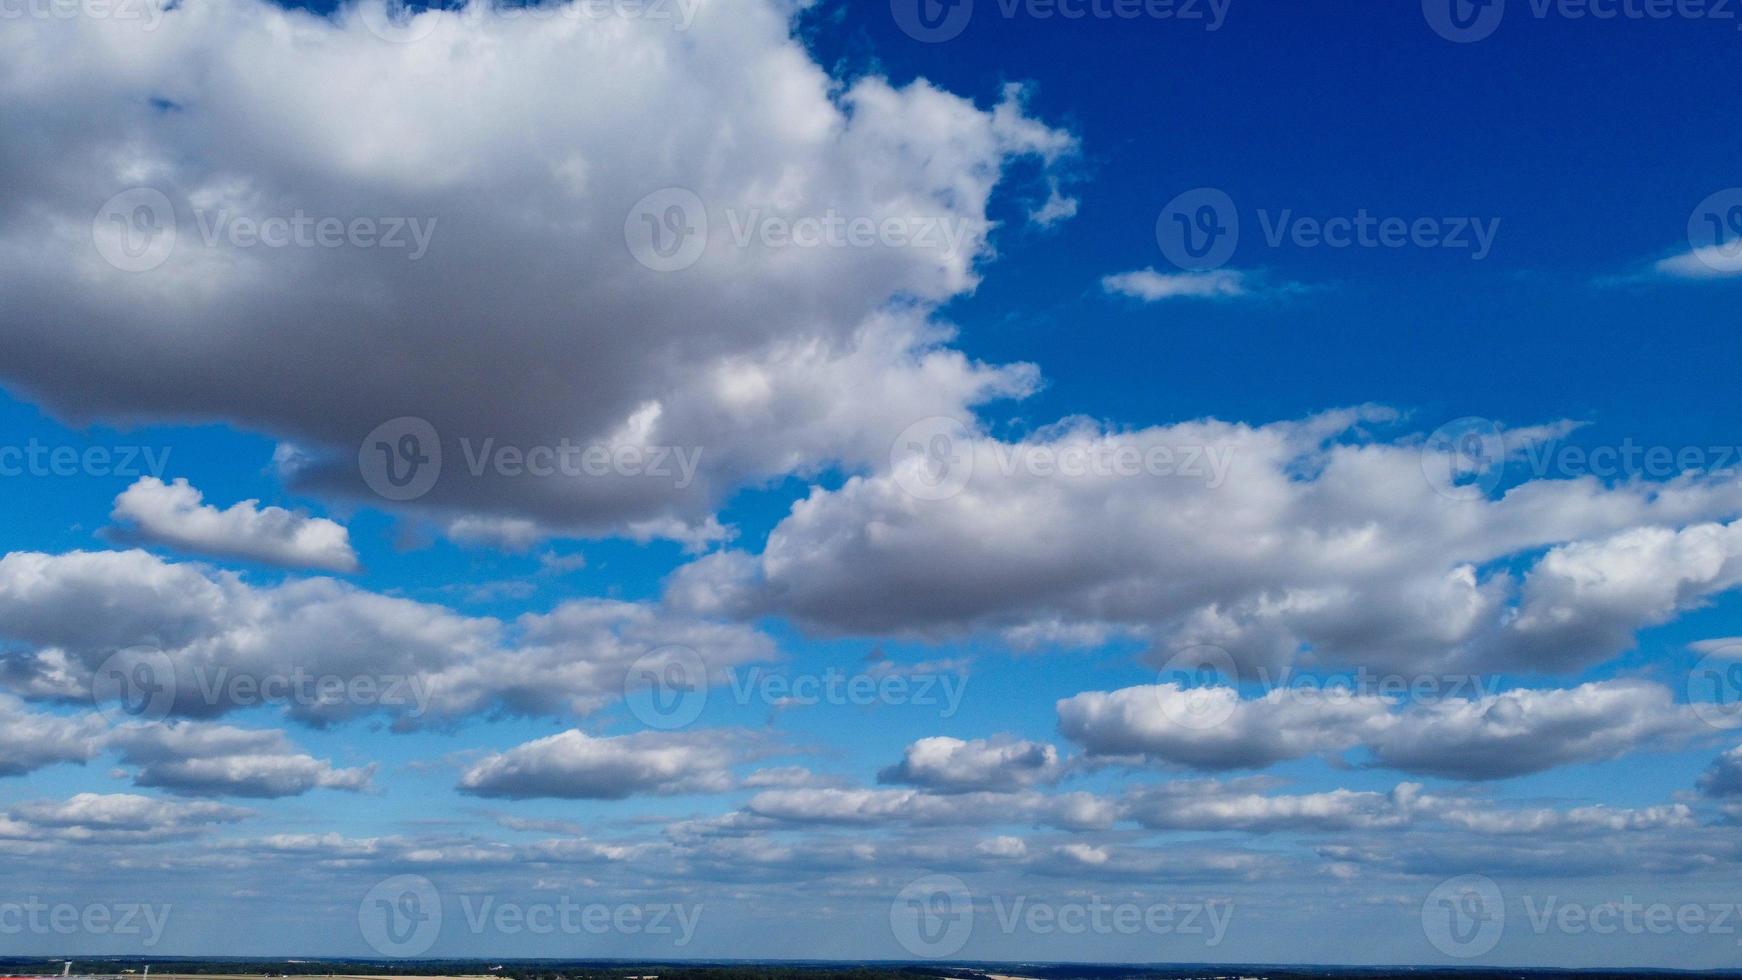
point(522, 145)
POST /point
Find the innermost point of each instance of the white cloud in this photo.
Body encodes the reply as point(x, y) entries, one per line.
point(1489, 737)
point(573, 765)
point(30, 741)
point(1705, 262)
point(1213, 728)
point(229, 644)
point(1152, 286)
point(1724, 776)
point(527, 321)
point(99, 818)
point(951, 765)
point(1263, 540)
point(176, 515)
point(196, 759)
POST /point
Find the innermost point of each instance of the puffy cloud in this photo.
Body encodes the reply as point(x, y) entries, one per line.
point(951, 765)
point(1266, 540)
point(1489, 737)
point(1594, 595)
point(499, 296)
point(115, 818)
point(30, 740)
point(1199, 805)
point(218, 760)
point(176, 515)
point(1528, 731)
point(324, 650)
point(1213, 728)
point(1724, 776)
point(576, 766)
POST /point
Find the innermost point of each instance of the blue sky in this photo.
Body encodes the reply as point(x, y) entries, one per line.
point(1393, 608)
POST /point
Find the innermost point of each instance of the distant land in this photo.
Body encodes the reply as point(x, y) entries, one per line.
point(174, 968)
